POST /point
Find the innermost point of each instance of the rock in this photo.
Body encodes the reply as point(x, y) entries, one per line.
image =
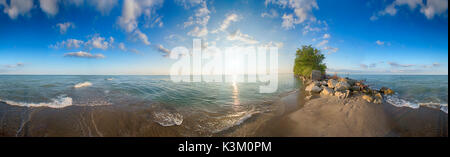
point(356, 88)
point(387, 91)
point(341, 86)
point(342, 95)
point(313, 88)
point(327, 92)
point(332, 83)
point(323, 83)
point(351, 82)
point(342, 79)
point(378, 98)
point(367, 98)
point(316, 75)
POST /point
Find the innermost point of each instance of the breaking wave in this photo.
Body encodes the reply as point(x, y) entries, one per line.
point(398, 102)
point(81, 85)
point(59, 102)
point(167, 118)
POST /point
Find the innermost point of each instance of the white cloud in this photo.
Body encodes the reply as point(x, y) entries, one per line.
point(226, 23)
point(394, 64)
point(237, 35)
point(198, 32)
point(201, 19)
point(163, 50)
point(82, 54)
point(132, 10)
point(141, 36)
point(17, 65)
point(288, 21)
point(302, 10)
point(322, 43)
point(380, 43)
point(122, 47)
point(430, 9)
point(434, 8)
point(188, 3)
point(319, 26)
point(16, 7)
point(326, 36)
point(331, 49)
point(50, 7)
point(96, 42)
point(271, 14)
point(99, 42)
point(64, 26)
point(68, 44)
point(103, 6)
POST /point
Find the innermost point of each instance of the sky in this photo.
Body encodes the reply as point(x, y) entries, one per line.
point(134, 37)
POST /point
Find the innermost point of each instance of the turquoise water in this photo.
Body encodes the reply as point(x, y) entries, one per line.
point(412, 90)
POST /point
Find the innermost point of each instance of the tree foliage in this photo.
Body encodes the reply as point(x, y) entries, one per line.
point(308, 59)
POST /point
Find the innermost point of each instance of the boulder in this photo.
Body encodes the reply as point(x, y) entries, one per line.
point(387, 91)
point(341, 86)
point(367, 98)
point(342, 94)
point(356, 88)
point(332, 83)
point(342, 79)
point(316, 75)
point(327, 92)
point(378, 98)
point(313, 88)
point(351, 82)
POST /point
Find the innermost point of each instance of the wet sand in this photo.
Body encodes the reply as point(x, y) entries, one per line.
point(351, 117)
point(76, 121)
point(292, 117)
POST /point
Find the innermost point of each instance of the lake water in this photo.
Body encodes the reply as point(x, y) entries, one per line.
point(214, 107)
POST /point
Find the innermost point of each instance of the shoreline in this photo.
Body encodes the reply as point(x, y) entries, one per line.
point(353, 114)
point(297, 113)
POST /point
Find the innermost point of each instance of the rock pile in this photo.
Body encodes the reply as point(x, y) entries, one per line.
point(344, 88)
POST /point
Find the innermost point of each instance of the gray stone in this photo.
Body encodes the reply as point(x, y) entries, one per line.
point(342, 94)
point(313, 88)
point(327, 92)
point(341, 86)
point(332, 83)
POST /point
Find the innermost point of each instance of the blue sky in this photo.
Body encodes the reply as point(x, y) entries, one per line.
point(134, 36)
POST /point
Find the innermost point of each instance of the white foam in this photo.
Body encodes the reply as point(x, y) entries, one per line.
point(81, 85)
point(167, 118)
point(398, 102)
point(59, 102)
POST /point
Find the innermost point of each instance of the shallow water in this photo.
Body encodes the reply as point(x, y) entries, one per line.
point(213, 106)
point(412, 91)
point(188, 109)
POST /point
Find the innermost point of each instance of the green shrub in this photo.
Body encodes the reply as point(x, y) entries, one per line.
point(308, 59)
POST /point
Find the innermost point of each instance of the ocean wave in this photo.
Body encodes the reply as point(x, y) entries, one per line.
point(398, 102)
point(59, 102)
point(167, 118)
point(81, 85)
point(234, 120)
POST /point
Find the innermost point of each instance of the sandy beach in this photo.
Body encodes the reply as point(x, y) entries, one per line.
point(327, 116)
point(322, 116)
